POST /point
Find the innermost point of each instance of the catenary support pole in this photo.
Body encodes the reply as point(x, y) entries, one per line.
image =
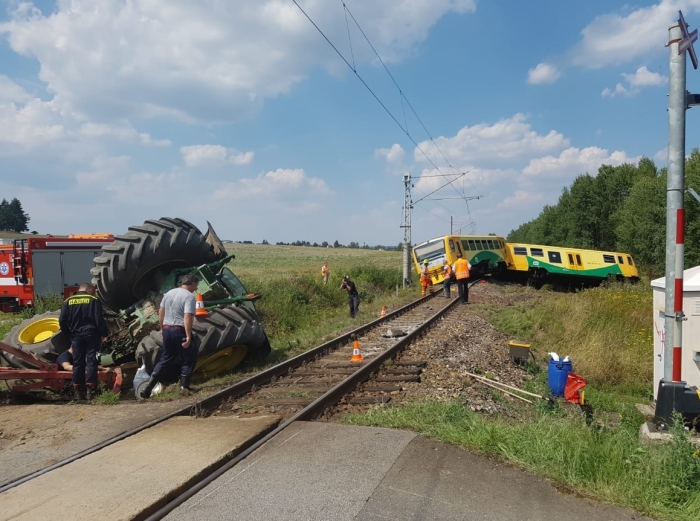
point(407, 207)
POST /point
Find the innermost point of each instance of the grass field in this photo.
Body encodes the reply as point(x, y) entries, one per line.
point(297, 309)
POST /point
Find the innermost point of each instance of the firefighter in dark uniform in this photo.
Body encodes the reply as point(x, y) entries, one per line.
point(82, 320)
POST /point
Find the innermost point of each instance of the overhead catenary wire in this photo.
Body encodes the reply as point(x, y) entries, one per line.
point(376, 97)
point(386, 109)
point(403, 98)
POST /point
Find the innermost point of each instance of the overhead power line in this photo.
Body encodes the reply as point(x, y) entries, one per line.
point(403, 97)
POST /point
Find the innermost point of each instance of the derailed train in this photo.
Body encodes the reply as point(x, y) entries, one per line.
point(528, 263)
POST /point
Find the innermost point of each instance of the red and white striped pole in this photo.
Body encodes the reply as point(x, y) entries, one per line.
point(678, 295)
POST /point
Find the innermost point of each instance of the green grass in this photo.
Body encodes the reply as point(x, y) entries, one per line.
point(106, 398)
point(602, 460)
point(298, 311)
point(607, 332)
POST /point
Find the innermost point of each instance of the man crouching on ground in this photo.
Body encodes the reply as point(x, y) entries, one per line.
point(176, 316)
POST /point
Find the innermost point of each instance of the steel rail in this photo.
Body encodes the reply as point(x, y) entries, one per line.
point(309, 412)
point(235, 390)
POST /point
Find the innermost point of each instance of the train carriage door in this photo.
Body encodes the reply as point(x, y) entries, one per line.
point(571, 259)
point(455, 248)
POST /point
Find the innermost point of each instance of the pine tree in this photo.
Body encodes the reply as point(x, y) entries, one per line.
point(12, 216)
point(4, 215)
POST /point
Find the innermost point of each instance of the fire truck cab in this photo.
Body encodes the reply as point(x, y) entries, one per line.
point(41, 266)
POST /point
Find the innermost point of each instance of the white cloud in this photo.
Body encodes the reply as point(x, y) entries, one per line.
point(503, 143)
point(642, 77)
point(11, 92)
point(282, 185)
point(206, 61)
point(614, 38)
point(522, 199)
point(394, 154)
point(29, 125)
point(124, 132)
point(472, 183)
point(661, 157)
point(214, 155)
point(619, 90)
point(103, 170)
point(574, 161)
point(543, 73)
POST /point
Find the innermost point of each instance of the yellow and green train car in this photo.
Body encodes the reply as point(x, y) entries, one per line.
point(538, 264)
point(486, 254)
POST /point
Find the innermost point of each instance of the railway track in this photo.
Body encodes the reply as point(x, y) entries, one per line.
point(303, 387)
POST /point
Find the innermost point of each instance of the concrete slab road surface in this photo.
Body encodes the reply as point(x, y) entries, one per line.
point(327, 472)
point(133, 476)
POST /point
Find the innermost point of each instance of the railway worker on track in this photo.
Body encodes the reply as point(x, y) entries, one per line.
point(176, 316)
point(461, 269)
point(425, 280)
point(353, 296)
point(325, 272)
point(82, 320)
point(447, 276)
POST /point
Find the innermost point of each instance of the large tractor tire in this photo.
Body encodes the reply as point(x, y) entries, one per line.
point(136, 262)
point(223, 340)
point(40, 335)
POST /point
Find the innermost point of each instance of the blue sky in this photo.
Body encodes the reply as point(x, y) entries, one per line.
point(240, 113)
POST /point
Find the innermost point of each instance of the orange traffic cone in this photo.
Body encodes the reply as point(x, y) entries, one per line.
point(200, 310)
point(383, 312)
point(356, 355)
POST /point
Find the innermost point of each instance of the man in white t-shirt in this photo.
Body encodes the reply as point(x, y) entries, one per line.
point(176, 316)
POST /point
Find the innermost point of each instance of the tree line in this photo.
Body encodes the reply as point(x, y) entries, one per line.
point(326, 244)
point(623, 209)
point(12, 217)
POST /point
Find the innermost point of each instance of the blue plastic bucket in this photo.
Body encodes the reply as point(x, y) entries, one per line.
point(557, 372)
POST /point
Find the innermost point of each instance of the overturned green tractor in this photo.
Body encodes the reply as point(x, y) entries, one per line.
point(132, 274)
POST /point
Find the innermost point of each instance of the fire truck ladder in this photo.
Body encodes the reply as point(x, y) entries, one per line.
point(19, 260)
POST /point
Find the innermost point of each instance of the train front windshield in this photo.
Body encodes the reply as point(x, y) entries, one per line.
point(430, 250)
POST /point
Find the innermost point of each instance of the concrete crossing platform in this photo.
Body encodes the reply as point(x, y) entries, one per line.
point(328, 472)
point(134, 476)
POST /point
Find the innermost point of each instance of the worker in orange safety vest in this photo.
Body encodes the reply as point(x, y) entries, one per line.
point(461, 269)
point(425, 280)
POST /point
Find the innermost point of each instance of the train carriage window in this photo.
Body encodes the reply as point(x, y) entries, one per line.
point(578, 260)
point(472, 245)
point(620, 260)
point(502, 244)
point(571, 259)
point(492, 245)
point(610, 259)
point(554, 256)
point(629, 261)
point(519, 250)
point(537, 252)
point(452, 246)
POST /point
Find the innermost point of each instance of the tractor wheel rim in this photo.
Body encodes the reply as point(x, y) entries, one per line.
point(224, 360)
point(39, 331)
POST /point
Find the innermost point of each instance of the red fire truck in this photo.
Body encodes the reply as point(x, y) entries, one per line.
point(38, 266)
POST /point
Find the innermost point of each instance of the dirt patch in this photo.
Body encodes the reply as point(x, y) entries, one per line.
point(35, 436)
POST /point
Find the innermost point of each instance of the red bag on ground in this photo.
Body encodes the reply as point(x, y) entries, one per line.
point(574, 384)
